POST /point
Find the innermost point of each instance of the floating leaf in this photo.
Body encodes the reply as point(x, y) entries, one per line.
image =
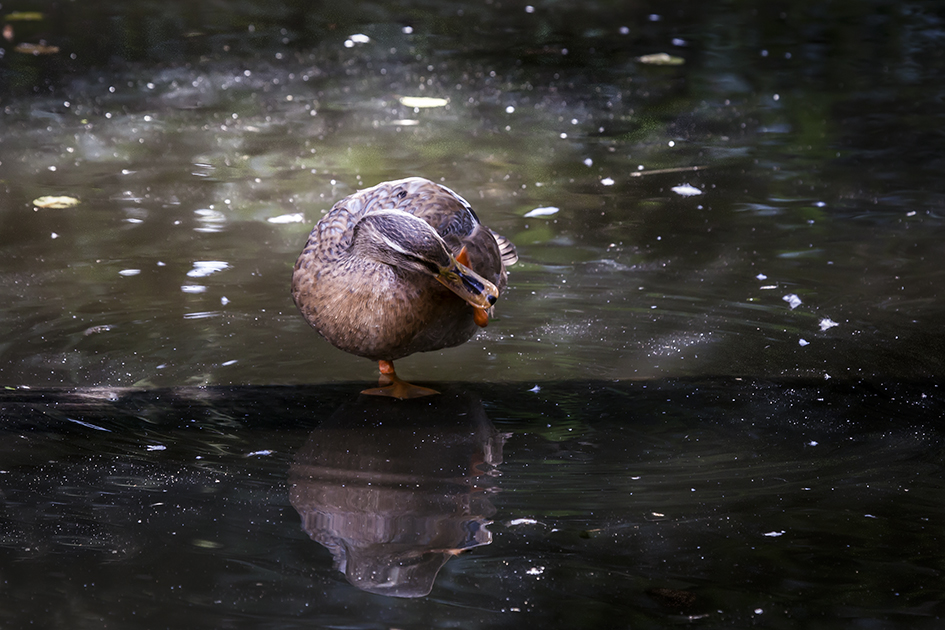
point(661, 59)
point(24, 16)
point(423, 102)
point(55, 202)
point(36, 49)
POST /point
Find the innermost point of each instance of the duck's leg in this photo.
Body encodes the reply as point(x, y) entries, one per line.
point(389, 384)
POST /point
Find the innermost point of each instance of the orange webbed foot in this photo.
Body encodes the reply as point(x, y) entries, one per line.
point(389, 384)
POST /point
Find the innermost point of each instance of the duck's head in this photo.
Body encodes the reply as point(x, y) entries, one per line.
point(400, 239)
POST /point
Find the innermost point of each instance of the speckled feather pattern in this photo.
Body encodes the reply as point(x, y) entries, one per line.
point(379, 311)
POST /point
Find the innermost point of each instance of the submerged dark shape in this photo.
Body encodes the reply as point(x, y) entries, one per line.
point(394, 491)
point(402, 267)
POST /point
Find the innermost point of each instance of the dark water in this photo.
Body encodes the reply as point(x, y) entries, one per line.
point(720, 503)
point(713, 387)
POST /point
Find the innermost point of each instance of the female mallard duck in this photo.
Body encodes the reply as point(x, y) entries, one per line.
point(402, 267)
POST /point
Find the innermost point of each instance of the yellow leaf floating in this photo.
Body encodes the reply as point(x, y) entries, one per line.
point(423, 102)
point(56, 202)
point(24, 16)
point(661, 59)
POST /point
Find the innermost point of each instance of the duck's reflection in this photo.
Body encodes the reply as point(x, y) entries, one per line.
point(395, 488)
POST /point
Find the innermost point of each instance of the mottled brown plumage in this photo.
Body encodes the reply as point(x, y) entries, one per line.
point(379, 275)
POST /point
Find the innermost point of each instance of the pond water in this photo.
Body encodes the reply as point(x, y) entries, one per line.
point(712, 391)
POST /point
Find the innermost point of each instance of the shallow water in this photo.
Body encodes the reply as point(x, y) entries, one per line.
point(729, 328)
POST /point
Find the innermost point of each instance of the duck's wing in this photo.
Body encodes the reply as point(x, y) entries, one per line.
point(333, 234)
point(455, 220)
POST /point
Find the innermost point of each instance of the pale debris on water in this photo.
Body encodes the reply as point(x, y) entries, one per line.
point(827, 323)
point(203, 268)
point(774, 534)
point(542, 212)
point(803, 342)
point(522, 521)
point(55, 202)
point(661, 59)
point(607, 181)
point(36, 49)
point(792, 300)
point(686, 190)
point(423, 102)
point(357, 38)
point(295, 217)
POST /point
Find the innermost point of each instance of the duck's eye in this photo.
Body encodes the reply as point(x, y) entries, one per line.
point(425, 263)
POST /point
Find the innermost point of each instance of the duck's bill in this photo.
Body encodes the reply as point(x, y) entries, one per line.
point(469, 285)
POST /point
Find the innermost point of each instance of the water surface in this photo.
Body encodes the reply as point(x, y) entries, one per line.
point(712, 394)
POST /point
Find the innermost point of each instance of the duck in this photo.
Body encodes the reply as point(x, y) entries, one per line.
point(402, 267)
